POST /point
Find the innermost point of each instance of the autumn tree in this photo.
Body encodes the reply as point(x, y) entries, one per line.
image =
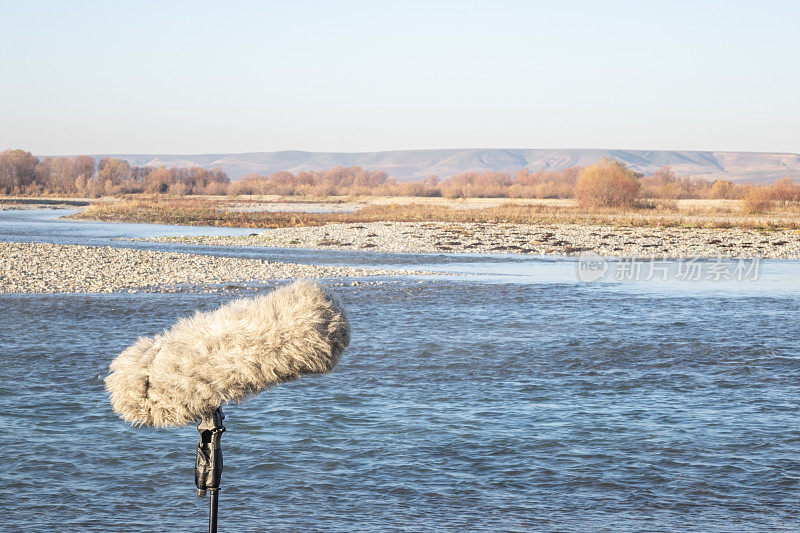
point(662, 184)
point(60, 174)
point(157, 180)
point(786, 190)
point(116, 171)
point(85, 166)
point(17, 171)
point(194, 180)
point(607, 183)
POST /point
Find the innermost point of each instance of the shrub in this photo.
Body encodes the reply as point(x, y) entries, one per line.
point(723, 190)
point(607, 183)
point(426, 187)
point(758, 199)
point(785, 191)
point(178, 189)
point(476, 185)
point(216, 188)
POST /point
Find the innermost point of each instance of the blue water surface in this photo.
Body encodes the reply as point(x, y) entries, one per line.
point(516, 398)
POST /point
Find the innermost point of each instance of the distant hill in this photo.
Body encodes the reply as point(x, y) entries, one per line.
point(410, 165)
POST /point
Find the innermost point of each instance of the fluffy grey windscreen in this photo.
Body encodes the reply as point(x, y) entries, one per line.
point(227, 355)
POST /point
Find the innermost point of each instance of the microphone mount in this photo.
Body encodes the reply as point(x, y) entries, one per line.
point(208, 466)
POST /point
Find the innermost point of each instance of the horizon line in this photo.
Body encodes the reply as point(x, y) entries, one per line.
point(95, 154)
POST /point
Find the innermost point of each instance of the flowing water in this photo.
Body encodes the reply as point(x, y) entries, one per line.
point(513, 399)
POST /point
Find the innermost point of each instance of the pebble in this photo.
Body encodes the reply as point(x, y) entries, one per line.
point(541, 239)
point(55, 268)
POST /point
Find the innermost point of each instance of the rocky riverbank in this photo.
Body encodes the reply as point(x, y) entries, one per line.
point(21, 207)
point(19, 203)
point(563, 239)
point(41, 267)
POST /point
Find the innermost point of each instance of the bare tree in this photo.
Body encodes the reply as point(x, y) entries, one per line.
point(17, 171)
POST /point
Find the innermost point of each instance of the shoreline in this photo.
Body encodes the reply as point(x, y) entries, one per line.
point(526, 239)
point(72, 268)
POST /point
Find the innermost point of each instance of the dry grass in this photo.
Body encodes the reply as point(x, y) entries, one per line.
point(196, 212)
point(214, 212)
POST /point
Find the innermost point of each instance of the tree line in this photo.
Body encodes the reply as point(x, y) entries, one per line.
point(24, 174)
point(605, 183)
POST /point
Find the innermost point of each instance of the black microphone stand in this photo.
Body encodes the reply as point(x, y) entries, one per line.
point(208, 467)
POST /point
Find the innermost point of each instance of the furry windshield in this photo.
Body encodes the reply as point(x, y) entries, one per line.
point(227, 355)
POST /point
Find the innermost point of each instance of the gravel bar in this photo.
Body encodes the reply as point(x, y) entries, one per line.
point(563, 239)
point(51, 268)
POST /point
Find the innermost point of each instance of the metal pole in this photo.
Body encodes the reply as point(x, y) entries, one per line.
point(212, 514)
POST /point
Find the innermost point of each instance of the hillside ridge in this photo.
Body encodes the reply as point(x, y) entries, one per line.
point(412, 165)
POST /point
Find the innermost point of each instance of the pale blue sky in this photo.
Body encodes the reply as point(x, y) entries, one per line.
point(195, 77)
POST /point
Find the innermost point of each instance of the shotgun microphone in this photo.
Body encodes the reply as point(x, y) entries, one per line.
point(185, 374)
point(228, 355)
